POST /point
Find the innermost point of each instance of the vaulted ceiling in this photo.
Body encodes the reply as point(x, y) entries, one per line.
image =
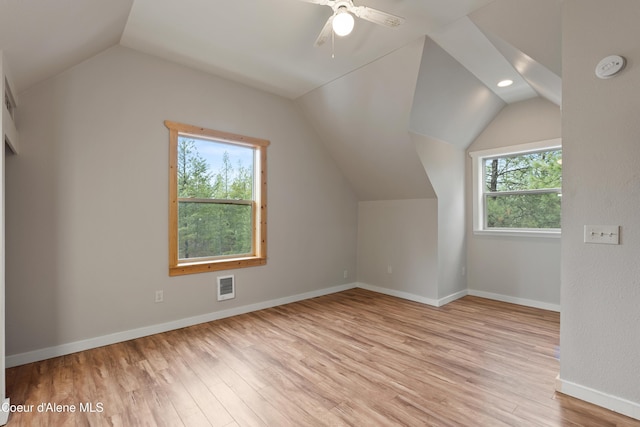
point(434, 75)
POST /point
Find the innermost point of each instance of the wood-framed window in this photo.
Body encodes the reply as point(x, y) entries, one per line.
point(217, 200)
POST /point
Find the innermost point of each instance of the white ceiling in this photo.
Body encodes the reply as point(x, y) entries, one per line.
point(447, 92)
point(267, 44)
point(363, 119)
point(42, 38)
point(270, 43)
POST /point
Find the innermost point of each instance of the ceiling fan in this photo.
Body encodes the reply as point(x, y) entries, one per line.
point(341, 22)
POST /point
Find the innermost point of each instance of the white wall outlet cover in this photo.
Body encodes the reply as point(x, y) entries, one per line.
point(610, 66)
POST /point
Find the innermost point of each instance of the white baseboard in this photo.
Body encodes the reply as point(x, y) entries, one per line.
point(515, 300)
point(613, 403)
point(73, 347)
point(413, 297)
point(399, 294)
point(4, 416)
point(452, 297)
point(616, 404)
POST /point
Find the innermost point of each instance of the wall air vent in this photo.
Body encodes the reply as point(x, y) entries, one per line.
point(226, 287)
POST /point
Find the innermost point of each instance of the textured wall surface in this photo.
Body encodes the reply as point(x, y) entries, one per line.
point(600, 333)
point(516, 267)
point(399, 234)
point(87, 208)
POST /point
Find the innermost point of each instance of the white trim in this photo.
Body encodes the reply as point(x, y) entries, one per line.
point(529, 147)
point(518, 233)
point(73, 347)
point(413, 297)
point(613, 403)
point(515, 300)
point(399, 294)
point(452, 297)
point(4, 416)
point(477, 173)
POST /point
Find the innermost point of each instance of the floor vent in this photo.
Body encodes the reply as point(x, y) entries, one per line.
point(226, 287)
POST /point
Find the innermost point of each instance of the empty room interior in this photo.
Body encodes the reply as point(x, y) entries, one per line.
point(320, 212)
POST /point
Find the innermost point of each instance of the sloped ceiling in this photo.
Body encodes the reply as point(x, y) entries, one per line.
point(363, 120)
point(42, 38)
point(528, 34)
point(435, 75)
point(269, 44)
point(455, 97)
point(532, 27)
point(464, 104)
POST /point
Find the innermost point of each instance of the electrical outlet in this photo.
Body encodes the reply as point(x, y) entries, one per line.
point(389, 269)
point(345, 274)
point(159, 296)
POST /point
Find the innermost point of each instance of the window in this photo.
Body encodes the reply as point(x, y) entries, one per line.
point(217, 200)
point(518, 190)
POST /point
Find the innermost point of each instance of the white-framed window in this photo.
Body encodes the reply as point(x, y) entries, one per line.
point(217, 200)
point(517, 190)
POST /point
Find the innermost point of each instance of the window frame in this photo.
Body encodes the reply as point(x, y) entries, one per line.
point(479, 191)
point(258, 256)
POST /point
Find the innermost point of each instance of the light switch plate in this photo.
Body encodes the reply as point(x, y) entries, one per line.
point(602, 234)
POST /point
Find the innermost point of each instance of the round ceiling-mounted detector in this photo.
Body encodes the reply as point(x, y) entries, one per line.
point(610, 66)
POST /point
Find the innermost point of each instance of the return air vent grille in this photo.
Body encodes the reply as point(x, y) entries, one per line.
point(226, 287)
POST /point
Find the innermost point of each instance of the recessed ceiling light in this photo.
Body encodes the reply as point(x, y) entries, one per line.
point(505, 83)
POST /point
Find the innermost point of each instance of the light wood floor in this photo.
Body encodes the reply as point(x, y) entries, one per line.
point(353, 358)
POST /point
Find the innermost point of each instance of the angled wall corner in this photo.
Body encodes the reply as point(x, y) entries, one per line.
point(362, 119)
point(445, 166)
point(450, 104)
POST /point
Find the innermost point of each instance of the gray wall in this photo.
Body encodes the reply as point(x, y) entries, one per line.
point(445, 165)
point(600, 333)
point(362, 118)
point(87, 208)
point(517, 269)
point(9, 145)
point(401, 234)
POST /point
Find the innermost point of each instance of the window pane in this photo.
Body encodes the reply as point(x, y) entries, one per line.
point(214, 170)
point(212, 229)
point(530, 171)
point(523, 211)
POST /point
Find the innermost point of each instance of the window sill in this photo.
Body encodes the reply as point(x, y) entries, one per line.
point(519, 233)
point(206, 266)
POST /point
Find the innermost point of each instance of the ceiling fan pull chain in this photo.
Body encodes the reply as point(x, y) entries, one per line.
point(333, 47)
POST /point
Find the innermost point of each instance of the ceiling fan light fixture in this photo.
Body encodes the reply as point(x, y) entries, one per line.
point(343, 22)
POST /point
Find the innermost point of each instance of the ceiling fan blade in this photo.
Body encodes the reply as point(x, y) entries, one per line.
point(325, 33)
point(377, 16)
point(320, 2)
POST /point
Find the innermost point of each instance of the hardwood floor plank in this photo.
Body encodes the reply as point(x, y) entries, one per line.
point(187, 408)
point(194, 393)
point(241, 413)
point(354, 358)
